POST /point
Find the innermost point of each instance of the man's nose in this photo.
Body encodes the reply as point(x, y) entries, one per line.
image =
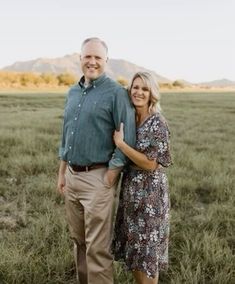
point(92, 61)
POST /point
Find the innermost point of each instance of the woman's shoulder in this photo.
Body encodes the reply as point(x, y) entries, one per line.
point(158, 118)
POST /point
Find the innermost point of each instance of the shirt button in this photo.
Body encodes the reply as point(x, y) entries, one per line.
point(69, 162)
point(70, 147)
point(84, 93)
point(72, 132)
point(75, 118)
point(94, 86)
point(79, 105)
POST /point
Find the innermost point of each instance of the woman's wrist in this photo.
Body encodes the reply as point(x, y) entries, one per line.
point(121, 144)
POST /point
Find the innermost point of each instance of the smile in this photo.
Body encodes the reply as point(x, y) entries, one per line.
point(138, 97)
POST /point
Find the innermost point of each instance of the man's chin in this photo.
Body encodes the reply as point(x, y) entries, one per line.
point(92, 77)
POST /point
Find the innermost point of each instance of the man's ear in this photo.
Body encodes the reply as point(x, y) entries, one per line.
point(107, 59)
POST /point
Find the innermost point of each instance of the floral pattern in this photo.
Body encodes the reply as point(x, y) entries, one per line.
point(142, 223)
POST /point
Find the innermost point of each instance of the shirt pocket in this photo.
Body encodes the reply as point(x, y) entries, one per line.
point(102, 106)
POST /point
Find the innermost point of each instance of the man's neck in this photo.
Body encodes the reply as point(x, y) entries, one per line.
point(86, 84)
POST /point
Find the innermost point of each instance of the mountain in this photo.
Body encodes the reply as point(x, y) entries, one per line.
point(219, 83)
point(185, 83)
point(70, 63)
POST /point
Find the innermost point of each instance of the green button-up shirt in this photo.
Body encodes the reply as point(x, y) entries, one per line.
point(91, 115)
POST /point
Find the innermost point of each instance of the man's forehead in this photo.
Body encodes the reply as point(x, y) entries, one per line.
point(94, 46)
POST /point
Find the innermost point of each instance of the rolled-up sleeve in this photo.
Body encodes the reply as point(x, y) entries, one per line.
point(62, 143)
point(123, 112)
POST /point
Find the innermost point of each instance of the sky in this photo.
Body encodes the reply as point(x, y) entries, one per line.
point(192, 40)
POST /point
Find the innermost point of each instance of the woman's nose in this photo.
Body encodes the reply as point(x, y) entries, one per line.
point(139, 91)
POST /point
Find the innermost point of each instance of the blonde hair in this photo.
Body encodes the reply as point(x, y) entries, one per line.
point(152, 85)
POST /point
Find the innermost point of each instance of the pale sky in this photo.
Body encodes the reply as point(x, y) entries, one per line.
point(179, 39)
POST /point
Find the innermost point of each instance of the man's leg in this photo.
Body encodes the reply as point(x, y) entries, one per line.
point(98, 210)
point(75, 218)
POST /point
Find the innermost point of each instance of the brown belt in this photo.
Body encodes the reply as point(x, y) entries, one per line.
point(77, 168)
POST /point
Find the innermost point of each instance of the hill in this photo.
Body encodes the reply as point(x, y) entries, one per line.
point(219, 83)
point(116, 69)
point(70, 63)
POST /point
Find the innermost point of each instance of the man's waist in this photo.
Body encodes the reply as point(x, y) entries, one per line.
point(80, 168)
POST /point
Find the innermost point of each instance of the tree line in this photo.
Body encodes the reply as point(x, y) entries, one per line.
point(30, 79)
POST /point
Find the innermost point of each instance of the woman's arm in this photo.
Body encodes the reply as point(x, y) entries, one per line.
point(136, 157)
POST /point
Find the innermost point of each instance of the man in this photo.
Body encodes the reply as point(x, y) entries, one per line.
point(90, 163)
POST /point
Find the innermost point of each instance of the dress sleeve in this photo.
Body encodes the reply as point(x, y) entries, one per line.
point(159, 146)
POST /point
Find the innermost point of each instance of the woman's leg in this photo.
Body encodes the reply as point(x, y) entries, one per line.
point(141, 278)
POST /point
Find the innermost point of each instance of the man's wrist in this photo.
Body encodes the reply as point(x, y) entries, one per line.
point(115, 170)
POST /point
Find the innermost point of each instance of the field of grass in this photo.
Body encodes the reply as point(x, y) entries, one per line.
point(34, 241)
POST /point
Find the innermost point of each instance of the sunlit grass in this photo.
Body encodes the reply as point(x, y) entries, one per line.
point(34, 240)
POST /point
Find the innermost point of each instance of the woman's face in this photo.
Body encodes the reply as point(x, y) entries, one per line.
point(140, 94)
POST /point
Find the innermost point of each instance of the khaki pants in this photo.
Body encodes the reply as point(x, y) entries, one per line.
point(89, 209)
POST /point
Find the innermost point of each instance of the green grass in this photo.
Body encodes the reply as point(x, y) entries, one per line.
point(34, 240)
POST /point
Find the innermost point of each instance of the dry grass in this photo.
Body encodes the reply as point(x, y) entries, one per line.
point(34, 241)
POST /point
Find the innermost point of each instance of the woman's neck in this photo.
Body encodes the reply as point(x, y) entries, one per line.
point(141, 116)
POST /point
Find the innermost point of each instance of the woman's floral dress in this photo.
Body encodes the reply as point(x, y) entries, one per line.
point(142, 223)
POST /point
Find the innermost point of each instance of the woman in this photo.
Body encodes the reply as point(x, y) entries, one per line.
point(142, 223)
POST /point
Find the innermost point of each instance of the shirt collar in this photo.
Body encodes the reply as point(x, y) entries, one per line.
point(94, 83)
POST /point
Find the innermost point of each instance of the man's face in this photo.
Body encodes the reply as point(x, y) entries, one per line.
point(93, 60)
